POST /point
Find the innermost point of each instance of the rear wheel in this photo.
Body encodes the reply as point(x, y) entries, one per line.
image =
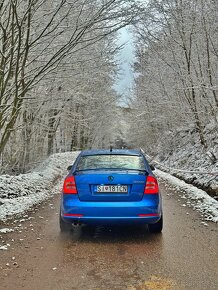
point(64, 226)
point(157, 227)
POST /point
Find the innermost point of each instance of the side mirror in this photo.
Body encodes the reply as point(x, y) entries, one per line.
point(69, 167)
point(152, 167)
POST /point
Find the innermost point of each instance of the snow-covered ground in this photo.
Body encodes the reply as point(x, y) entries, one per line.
point(19, 193)
point(180, 153)
point(193, 196)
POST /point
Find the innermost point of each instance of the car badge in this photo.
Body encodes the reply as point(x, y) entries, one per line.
point(110, 178)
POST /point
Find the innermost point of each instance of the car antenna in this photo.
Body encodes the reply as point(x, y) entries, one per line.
point(111, 148)
point(142, 150)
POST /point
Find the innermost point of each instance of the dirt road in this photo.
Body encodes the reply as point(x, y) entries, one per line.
point(184, 256)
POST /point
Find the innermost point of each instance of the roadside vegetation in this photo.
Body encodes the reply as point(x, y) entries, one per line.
point(57, 72)
point(174, 114)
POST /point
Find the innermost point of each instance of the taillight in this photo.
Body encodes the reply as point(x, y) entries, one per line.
point(69, 185)
point(151, 186)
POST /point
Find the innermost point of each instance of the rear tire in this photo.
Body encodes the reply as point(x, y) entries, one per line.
point(64, 226)
point(157, 227)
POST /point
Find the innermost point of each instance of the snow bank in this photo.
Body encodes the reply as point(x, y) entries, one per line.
point(200, 200)
point(181, 154)
point(19, 193)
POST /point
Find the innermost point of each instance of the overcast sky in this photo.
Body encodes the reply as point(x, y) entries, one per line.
point(125, 58)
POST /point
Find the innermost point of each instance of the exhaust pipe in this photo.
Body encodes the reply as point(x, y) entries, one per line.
point(77, 224)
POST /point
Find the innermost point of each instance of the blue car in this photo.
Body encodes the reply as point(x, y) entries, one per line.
point(111, 187)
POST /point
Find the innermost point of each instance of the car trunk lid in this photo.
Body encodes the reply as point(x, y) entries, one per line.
point(123, 185)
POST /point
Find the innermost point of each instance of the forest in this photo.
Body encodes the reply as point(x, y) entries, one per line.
point(58, 67)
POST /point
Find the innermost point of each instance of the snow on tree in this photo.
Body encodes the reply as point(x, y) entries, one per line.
point(56, 61)
point(176, 83)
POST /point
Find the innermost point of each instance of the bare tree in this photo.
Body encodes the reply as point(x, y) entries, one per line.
point(176, 61)
point(35, 38)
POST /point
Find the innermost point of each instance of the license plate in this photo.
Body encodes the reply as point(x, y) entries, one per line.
point(112, 188)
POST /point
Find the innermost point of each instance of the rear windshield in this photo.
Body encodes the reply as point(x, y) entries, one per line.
point(111, 162)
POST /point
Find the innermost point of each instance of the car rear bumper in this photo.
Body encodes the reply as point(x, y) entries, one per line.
point(146, 211)
point(111, 220)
